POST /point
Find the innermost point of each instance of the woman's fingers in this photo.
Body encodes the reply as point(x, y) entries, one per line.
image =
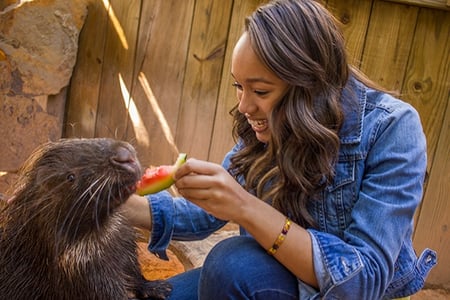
point(209, 186)
point(196, 166)
point(194, 181)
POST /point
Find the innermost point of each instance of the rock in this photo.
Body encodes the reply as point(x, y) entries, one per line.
point(24, 125)
point(192, 254)
point(38, 50)
point(8, 4)
point(39, 40)
point(5, 73)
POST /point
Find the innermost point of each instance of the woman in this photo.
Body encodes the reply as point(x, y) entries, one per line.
point(324, 178)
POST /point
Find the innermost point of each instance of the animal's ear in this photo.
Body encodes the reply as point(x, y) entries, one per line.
point(44, 176)
point(40, 177)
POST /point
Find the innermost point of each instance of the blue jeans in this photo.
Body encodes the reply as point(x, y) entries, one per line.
point(236, 268)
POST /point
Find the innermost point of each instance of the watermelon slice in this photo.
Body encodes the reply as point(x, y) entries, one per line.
point(159, 178)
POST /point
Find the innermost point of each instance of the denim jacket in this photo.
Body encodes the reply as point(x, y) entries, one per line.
point(362, 245)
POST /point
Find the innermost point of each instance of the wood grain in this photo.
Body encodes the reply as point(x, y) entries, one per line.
point(388, 43)
point(205, 63)
point(427, 87)
point(354, 17)
point(116, 81)
point(84, 88)
point(439, 4)
point(221, 140)
point(433, 227)
point(427, 79)
point(163, 45)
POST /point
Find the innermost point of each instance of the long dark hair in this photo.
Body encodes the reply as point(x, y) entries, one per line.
point(301, 43)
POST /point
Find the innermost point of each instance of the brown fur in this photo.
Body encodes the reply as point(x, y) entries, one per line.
point(63, 235)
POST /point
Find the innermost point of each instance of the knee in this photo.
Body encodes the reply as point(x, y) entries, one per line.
point(231, 255)
point(226, 268)
point(239, 268)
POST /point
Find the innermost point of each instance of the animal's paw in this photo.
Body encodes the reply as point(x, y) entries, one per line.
point(154, 290)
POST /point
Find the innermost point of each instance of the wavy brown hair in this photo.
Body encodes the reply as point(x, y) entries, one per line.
point(301, 43)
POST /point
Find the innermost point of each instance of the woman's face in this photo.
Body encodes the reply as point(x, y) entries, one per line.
point(258, 89)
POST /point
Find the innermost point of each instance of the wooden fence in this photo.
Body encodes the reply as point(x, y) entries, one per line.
point(157, 73)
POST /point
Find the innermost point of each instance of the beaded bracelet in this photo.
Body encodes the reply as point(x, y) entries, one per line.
point(280, 238)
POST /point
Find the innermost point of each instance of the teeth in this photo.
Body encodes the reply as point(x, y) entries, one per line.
point(258, 123)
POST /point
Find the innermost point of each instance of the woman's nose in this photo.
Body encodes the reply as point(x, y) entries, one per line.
point(246, 105)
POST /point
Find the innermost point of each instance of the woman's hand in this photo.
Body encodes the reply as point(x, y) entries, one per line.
point(211, 187)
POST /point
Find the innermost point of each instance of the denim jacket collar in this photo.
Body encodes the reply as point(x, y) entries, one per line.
point(354, 102)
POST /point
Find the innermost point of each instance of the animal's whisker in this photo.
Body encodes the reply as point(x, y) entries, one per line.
point(76, 208)
point(98, 200)
point(92, 200)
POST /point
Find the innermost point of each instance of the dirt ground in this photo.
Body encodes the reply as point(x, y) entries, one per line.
point(429, 294)
point(154, 268)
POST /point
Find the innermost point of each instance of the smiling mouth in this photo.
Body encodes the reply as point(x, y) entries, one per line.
point(258, 124)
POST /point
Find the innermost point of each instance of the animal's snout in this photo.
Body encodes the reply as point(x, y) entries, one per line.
point(126, 158)
point(124, 155)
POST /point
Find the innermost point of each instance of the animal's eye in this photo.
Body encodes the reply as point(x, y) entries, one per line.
point(71, 177)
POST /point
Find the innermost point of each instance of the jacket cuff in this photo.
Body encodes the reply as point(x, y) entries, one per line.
point(334, 261)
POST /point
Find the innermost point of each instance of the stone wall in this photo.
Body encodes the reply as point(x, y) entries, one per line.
point(38, 49)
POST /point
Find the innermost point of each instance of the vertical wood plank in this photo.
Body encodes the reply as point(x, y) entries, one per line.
point(85, 83)
point(433, 224)
point(427, 87)
point(160, 72)
point(123, 20)
point(388, 43)
point(354, 17)
point(427, 80)
point(203, 74)
point(222, 141)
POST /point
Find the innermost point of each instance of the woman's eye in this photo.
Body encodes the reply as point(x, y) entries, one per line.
point(257, 92)
point(237, 85)
point(261, 93)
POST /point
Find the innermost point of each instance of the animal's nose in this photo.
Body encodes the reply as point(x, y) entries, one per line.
point(126, 158)
point(123, 155)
